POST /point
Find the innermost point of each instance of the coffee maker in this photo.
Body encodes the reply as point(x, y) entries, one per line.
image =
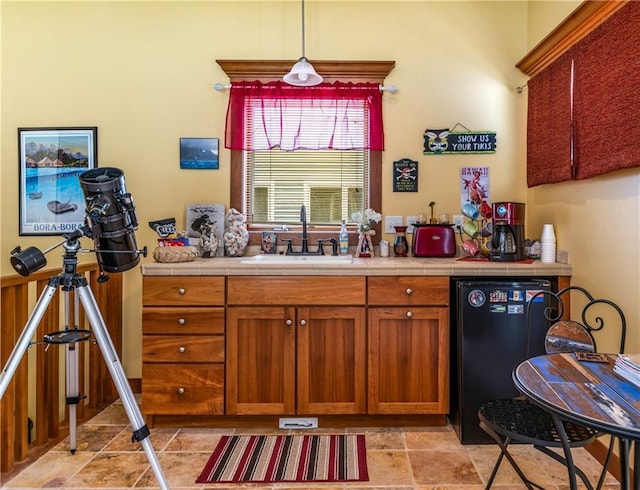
point(507, 240)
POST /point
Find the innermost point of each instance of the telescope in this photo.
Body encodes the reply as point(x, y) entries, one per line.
point(110, 221)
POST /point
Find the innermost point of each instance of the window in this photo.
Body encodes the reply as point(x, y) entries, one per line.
point(577, 126)
point(359, 182)
point(331, 184)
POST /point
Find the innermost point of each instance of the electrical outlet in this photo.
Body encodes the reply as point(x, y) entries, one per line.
point(411, 220)
point(390, 222)
point(458, 221)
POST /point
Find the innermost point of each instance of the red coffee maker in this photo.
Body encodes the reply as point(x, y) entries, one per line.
point(507, 240)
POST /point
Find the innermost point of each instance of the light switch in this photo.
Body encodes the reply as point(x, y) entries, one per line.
point(390, 222)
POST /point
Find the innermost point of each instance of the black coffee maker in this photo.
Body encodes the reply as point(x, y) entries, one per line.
point(507, 240)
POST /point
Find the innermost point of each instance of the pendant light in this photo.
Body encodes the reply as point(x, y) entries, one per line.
point(302, 73)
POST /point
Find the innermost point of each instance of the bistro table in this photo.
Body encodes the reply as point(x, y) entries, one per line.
point(587, 393)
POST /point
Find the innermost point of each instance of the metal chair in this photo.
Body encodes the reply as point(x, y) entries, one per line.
point(518, 420)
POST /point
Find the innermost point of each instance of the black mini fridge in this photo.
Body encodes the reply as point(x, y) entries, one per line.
point(489, 331)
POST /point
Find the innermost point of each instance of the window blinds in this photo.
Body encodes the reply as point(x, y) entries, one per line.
point(583, 108)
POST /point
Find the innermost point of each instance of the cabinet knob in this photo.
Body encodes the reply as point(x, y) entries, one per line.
point(180, 391)
point(409, 291)
point(303, 322)
point(289, 323)
point(182, 291)
point(181, 349)
point(409, 314)
point(181, 321)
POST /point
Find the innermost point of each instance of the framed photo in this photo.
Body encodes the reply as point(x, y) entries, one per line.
point(51, 160)
point(197, 214)
point(199, 153)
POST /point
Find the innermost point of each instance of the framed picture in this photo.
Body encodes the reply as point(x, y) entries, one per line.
point(51, 160)
point(199, 153)
point(197, 215)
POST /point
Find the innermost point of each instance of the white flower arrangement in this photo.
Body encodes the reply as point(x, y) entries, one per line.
point(365, 219)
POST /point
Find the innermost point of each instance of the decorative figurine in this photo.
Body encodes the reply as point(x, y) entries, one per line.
point(208, 243)
point(236, 236)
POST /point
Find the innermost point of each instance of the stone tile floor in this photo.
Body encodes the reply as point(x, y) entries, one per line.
point(402, 458)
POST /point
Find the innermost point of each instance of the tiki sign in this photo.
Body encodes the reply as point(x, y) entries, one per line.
point(445, 142)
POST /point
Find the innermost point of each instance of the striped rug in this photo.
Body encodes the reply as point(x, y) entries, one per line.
point(290, 458)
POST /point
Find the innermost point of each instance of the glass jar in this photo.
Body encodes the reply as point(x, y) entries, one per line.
point(400, 245)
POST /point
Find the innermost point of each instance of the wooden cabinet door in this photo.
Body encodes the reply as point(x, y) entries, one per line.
point(408, 360)
point(331, 360)
point(260, 377)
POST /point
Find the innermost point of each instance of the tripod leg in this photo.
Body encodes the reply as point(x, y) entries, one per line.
point(72, 369)
point(72, 398)
point(140, 429)
point(24, 340)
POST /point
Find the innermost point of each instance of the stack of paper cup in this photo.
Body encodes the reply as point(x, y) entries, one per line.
point(548, 243)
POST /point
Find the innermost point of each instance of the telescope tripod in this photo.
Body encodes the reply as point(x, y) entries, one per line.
point(70, 280)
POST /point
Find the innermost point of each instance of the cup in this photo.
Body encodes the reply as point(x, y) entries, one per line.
point(444, 219)
point(470, 248)
point(485, 210)
point(421, 218)
point(470, 211)
point(470, 228)
point(384, 248)
point(485, 247)
point(548, 235)
point(487, 229)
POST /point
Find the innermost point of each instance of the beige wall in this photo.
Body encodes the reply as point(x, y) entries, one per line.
point(143, 73)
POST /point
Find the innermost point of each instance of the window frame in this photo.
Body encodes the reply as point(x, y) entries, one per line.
point(345, 71)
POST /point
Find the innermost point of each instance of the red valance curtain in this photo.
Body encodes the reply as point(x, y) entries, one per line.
point(583, 115)
point(338, 116)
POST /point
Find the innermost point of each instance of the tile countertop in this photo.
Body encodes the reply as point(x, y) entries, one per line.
point(373, 266)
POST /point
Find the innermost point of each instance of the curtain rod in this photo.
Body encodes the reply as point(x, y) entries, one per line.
point(392, 89)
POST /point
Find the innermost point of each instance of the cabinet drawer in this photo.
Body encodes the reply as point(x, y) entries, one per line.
point(169, 389)
point(183, 290)
point(408, 290)
point(158, 320)
point(182, 348)
point(299, 290)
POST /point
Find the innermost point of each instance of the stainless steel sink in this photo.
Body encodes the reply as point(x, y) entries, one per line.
point(298, 259)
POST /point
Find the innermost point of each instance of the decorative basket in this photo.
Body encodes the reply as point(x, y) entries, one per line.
point(175, 254)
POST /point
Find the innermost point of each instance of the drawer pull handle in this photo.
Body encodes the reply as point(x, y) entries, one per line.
point(289, 323)
point(303, 322)
point(181, 321)
point(182, 291)
point(409, 314)
point(180, 391)
point(409, 291)
point(181, 349)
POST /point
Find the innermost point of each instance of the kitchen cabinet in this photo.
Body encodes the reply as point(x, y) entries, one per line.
point(408, 345)
point(296, 345)
point(183, 325)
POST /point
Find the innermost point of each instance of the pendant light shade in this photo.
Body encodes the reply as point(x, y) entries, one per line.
point(302, 73)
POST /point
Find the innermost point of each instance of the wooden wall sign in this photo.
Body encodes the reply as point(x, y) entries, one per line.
point(405, 175)
point(443, 142)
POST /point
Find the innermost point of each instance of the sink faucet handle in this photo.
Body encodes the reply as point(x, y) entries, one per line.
point(334, 246)
point(289, 245)
point(321, 243)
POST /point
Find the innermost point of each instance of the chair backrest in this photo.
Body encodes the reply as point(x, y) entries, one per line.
point(564, 335)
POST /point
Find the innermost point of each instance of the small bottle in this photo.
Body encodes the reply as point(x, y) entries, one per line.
point(344, 239)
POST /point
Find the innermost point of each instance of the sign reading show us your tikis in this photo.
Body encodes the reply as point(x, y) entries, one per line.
point(443, 141)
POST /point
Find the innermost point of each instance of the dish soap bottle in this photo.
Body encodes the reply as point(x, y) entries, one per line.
point(344, 239)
